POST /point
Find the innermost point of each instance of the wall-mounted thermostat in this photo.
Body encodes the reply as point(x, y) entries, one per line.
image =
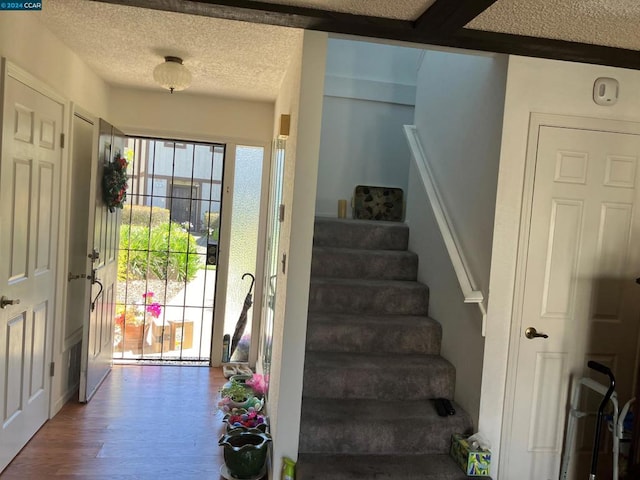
point(605, 91)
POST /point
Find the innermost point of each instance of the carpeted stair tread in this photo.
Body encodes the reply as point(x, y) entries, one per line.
point(335, 332)
point(364, 234)
point(385, 377)
point(358, 263)
point(368, 296)
point(377, 467)
point(377, 427)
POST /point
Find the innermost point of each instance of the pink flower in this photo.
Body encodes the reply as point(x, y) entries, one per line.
point(248, 420)
point(257, 384)
point(147, 295)
point(154, 309)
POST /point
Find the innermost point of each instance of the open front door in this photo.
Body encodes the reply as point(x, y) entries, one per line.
point(97, 341)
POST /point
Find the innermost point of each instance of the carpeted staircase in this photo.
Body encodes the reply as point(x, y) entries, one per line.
point(373, 362)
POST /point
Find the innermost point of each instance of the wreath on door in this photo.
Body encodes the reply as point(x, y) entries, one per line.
point(114, 183)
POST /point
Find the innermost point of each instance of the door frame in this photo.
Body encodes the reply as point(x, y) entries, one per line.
point(225, 223)
point(224, 241)
point(536, 121)
point(273, 224)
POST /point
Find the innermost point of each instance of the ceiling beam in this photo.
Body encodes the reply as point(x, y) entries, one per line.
point(401, 30)
point(544, 48)
point(274, 14)
point(451, 15)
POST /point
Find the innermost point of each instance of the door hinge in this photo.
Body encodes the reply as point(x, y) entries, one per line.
point(281, 213)
point(52, 369)
point(62, 140)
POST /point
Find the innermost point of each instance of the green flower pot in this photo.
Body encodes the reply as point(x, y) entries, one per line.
point(250, 402)
point(245, 451)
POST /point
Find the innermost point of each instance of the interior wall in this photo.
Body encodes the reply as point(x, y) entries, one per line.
point(287, 103)
point(304, 102)
point(458, 116)
point(32, 47)
point(459, 107)
point(542, 86)
point(190, 117)
point(369, 95)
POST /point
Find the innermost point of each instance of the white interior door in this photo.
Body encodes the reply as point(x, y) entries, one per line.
point(579, 289)
point(97, 342)
point(30, 165)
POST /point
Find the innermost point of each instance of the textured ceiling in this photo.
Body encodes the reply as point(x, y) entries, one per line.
point(397, 9)
point(613, 23)
point(123, 45)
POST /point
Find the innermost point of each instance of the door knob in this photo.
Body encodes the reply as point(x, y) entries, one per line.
point(532, 333)
point(5, 302)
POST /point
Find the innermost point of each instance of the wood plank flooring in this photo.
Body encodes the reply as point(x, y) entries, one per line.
point(145, 422)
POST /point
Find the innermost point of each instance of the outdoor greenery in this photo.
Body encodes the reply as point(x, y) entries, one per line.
point(142, 215)
point(165, 251)
point(211, 224)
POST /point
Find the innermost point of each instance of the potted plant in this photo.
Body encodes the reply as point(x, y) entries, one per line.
point(235, 394)
point(132, 321)
point(247, 419)
point(245, 452)
point(255, 381)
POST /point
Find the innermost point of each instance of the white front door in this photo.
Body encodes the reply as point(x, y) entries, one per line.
point(30, 165)
point(578, 289)
point(98, 331)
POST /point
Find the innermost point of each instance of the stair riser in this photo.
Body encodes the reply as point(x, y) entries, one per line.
point(329, 337)
point(382, 438)
point(378, 467)
point(361, 234)
point(364, 265)
point(380, 299)
point(409, 384)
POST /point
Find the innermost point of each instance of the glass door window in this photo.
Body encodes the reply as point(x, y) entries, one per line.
point(168, 246)
point(243, 248)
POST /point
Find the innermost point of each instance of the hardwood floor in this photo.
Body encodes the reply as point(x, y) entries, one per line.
point(145, 422)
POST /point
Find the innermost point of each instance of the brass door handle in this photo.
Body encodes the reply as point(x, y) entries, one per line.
point(532, 333)
point(5, 302)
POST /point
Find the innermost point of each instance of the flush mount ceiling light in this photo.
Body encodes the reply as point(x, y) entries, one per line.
point(172, 74)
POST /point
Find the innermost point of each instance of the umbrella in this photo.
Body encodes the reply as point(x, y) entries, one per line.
point(242, 319)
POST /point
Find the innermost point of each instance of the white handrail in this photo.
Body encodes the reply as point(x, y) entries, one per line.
point(467, 284)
